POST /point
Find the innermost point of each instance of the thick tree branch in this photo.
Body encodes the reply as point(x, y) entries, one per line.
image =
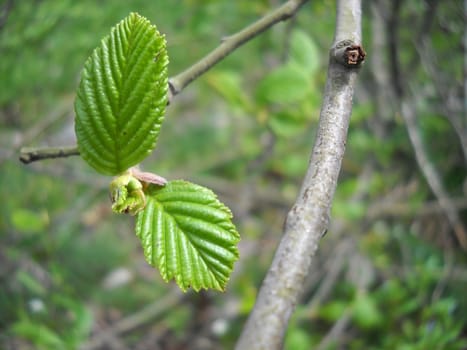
point(308, 219)
point(180, 81)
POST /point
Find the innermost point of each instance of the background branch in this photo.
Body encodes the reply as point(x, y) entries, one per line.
point(231, 43)
point(180, 81)
point(409, 114)
point(31, 154)
point(309, 217)
point(431, 175)
point(145, 315)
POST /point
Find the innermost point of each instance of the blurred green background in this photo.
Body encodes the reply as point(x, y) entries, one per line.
point(390, 274)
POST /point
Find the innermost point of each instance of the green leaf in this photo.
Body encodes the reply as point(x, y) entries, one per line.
point(29, 221)
point(365, 312)
point(287, 123)
point(122, 95)
point(333, 310)
point(286, 84)
point(38, 334)
point(298, 339)
point(188, 234)
point(229, 85)
point(304, 52)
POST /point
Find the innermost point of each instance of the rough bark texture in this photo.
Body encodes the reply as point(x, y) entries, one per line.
point(308, 219)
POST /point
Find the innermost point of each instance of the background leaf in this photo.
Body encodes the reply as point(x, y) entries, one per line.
point(304, 52)
point(286, 84)
point(188, 234)
point(122, 96)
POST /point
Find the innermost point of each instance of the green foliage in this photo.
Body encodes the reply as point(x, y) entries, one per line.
point(43, 334)
point(188, 234)
point(365, 312)
point(289, 92)
point(304, 52)
point(185, 231)
point(122, 96)
point(58, 238)
point(286, 84)
point(291, 82)
point(29, 221)
point(399, 313)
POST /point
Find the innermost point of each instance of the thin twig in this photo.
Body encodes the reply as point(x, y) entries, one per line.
point(393, 27)
point(361, 269)
point(135, 320)
point(335, 333)
point(333, 269)
point(464, 50)
point(431, 174)
point(448, 265)
point(409, 114)
point(59, 112)
point(454, 114)
point(4, 12)
point(231, 43)
point(386, 208)
point(31, 154)
point(180, 81)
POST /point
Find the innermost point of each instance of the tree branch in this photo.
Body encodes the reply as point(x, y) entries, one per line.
point(5, 10)
point(146, 314)
point(180, 81)
point(307, 221)
point(231, 43)
point(431, 174)
point(31, 154)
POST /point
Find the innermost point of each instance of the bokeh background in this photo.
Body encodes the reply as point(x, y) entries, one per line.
point(391, 272)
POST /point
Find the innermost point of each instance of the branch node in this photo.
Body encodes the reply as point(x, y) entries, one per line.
point(348, 53)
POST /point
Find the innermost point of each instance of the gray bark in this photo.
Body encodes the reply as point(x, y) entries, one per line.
point(308, 219)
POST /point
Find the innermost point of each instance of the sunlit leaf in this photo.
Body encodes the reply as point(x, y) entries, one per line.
point(188, 235)
point(122, 96)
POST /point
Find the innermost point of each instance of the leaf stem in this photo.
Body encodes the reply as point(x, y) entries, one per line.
point(181, 80)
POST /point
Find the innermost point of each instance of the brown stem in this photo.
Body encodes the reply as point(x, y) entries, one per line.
point(29, 154)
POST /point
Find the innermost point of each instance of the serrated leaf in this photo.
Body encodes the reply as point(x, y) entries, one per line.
point(122, 95)
point(304, 52)
point(187, 233)
point(286, 84)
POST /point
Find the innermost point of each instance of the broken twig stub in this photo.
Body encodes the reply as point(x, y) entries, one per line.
point(349, 54)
